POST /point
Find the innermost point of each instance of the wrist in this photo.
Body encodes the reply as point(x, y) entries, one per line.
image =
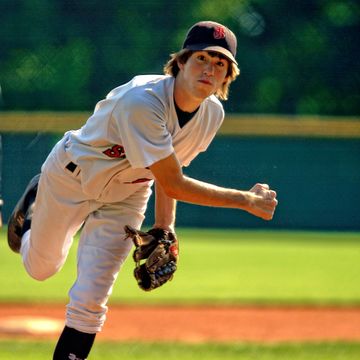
point(243, 199)
point(170, 228)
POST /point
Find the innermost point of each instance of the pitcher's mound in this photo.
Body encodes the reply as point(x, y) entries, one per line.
point(30, 325)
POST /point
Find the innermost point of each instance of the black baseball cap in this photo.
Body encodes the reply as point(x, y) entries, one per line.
point(211, 36)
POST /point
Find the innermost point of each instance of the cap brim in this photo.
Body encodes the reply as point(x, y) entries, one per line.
point(219, 49)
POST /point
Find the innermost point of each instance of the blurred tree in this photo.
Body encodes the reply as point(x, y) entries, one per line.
point(295, 57)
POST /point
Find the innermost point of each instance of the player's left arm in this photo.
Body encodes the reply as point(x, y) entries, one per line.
point(165, 209)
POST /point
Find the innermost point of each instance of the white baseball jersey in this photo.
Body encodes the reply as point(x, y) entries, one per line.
point(134, 127)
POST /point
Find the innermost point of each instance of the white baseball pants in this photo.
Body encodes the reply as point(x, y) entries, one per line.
point(61, 209)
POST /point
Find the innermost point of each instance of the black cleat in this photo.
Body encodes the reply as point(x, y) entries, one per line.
point(22, 211)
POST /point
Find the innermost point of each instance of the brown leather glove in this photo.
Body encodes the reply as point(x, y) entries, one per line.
point(159, 250)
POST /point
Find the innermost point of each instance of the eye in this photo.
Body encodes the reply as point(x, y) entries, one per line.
point(220, 63)
point(201, 57)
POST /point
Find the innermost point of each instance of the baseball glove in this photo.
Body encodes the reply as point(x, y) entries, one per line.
point(159, 250)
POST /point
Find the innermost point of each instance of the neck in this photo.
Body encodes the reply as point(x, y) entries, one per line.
point(183, 99)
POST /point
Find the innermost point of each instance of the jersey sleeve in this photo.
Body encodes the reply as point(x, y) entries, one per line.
point(141, 122)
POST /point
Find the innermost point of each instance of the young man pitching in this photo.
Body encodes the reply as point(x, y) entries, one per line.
point(99, 178)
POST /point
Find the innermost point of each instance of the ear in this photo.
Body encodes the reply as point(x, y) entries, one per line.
point(226, 79)
point(180, 65)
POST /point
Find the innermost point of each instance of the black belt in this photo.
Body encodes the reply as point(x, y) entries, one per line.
point(71, 166)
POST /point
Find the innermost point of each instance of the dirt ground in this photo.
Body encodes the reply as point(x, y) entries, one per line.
point(193, 324)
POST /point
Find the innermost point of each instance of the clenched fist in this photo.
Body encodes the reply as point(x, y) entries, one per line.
point(262, 201)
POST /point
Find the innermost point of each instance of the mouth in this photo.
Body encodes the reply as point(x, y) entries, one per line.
point(205, 82)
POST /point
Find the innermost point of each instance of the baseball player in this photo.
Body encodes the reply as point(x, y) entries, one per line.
point(99, 178)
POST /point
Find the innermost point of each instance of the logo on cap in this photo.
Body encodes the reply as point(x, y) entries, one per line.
point(219, 32)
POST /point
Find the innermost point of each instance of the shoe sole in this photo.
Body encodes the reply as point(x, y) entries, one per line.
point(17, 218)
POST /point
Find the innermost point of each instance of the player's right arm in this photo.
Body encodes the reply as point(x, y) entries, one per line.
point(259, 201)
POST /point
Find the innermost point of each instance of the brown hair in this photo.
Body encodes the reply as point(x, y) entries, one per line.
point(172, 68)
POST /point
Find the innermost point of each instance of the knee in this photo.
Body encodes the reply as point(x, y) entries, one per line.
point(39, 266)
point(40, 273)
point(39, 276)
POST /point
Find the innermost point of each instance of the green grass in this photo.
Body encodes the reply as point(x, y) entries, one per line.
point(218, 266)
point(27, 350)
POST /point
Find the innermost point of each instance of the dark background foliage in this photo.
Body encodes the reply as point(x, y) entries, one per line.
point(296, 57)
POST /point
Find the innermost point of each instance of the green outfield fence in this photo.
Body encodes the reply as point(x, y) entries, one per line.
point(312, 162)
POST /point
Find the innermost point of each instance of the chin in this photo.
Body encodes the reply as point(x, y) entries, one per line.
point(203, 93)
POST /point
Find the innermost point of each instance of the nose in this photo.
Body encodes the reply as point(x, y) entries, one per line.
point(209, 69)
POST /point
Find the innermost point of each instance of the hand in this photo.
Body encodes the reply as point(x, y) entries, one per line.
point(262, 201)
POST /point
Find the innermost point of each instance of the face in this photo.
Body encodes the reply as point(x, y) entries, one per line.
point(203, 74)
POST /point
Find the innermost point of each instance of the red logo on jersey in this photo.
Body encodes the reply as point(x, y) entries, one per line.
point(219, 32)
point(117, 151)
